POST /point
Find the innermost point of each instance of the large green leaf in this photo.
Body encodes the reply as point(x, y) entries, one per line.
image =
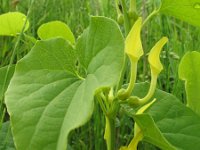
point(186, 10)
point(151, 132)
point(6, 139)
point(88, 48)
point(46, 101)
point(12, 23)
point(177, 123)
point(189, 72)
point(55, 29)
point(5, 77)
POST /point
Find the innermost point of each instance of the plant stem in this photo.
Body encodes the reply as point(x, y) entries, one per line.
point(152, 88)
point(127, 29)
point(101, 104)
point(126, 18)
point(109, 135)
point(150, 16)
point(132, 78)
point(132, 6)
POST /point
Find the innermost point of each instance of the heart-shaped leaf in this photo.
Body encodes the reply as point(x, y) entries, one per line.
point(46, 99)
point(12, 23)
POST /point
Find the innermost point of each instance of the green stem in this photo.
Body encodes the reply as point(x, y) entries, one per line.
point(109, 135)
point(127, 27)
point(126, 18)
point(152, 88)
point(2, 117)
point(132, 6)
point(132, 78)
point(101, 104)
point(155, 12)
point(119, 85)
point(124, 94)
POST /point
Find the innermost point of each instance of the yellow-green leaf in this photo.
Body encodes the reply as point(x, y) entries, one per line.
point(133, 44)
point(12, 23)
point(154, 59)
point(44, 93)
point(55, 29)
point(190, 73)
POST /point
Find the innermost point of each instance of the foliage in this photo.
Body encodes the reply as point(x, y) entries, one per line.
point(55, 28)
point(185, 10)
point(12, 23)
point(189, 72)
point(53, 62)
point(53, 89)
point(6, 140)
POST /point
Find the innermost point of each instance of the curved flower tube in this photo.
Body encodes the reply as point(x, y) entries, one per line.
point(133, 44)
point(155, 66)
point(134, 50)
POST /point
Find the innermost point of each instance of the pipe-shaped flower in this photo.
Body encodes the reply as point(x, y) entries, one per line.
point(133, 48)
point(156, 67)
point(133, 44)
point(154, 59)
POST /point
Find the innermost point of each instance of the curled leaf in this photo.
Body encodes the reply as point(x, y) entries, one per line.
point(133, 44)
point(154, 60)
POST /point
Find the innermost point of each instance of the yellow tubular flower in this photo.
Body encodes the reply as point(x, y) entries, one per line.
point(154, 54)
point(133, 44)
point(133, 48)
point(156, 67)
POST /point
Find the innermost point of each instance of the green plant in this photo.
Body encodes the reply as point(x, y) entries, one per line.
point(54, 86)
